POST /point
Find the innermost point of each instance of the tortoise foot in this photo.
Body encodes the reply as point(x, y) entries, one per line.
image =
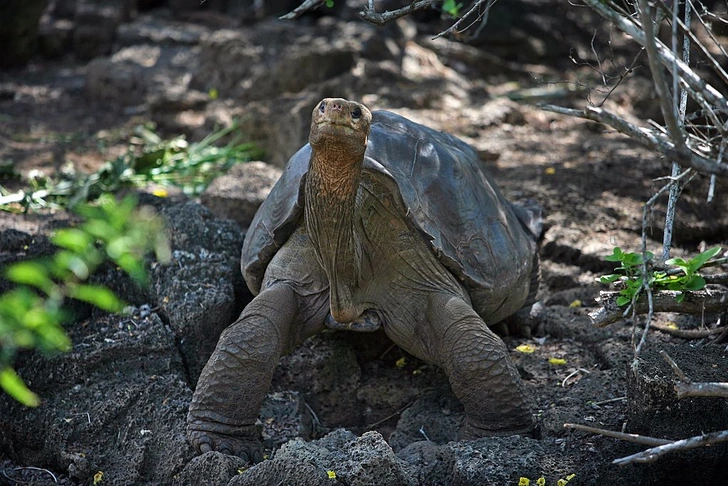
point(473, 430)
point(244, 443)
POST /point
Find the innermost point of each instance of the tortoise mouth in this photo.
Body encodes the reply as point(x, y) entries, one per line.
point(334, 127)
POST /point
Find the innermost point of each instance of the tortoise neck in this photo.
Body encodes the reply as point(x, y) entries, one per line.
point(331, 190)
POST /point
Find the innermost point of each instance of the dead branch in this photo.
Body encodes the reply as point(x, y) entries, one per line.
point(302, 9)
point(649, 138)
point(665, 55)
point(686, 333)
point(654, 453)
point(371, 15)
point(637, 439)
point(706, 389)
point(697, 302)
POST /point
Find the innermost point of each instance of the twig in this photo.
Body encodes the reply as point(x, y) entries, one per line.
point(675, 368)
point(687, 333)
point(611, 400)
point(666, 57)
point(391, 416)
point(696, 302)
point(302, 9)
point(481, 17)
point(651, 455)
point(637, 439)
point(371, 15)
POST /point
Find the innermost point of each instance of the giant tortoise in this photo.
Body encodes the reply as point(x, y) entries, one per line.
point(378, 221)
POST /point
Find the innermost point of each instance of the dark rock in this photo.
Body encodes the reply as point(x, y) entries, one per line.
point(238, 194)
point(340, 456)
point(276, 57)
point(148, 29)
point(325, 370)
point(55, 39)
point(139, 74)
point(19, 23)
point(122, 384)
point(197, 290)
point(285, 417)
point(210, 469)
point(96, 28)
point(435, 417)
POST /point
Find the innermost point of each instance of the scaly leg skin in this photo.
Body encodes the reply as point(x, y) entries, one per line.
point(237, 376)
point(481, 373)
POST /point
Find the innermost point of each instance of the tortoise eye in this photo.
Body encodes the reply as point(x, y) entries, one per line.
point(356, 113)
point(322, 107)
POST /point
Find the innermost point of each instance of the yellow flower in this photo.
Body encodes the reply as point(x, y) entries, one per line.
point(332, 474)
point(401, 362)
point(524, 482)
point(557, 361)
point(160, 192)
point(576, 303)
point(550, 171)
point(541, 481)
point(98, 477)
point(525, 348)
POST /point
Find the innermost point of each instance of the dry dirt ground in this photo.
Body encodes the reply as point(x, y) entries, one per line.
point(116, 405)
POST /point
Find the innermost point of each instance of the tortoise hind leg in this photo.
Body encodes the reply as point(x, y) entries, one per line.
point(481, 372)
point(236, 378)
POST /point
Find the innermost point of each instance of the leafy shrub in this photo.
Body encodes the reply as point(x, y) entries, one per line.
point(32, 314)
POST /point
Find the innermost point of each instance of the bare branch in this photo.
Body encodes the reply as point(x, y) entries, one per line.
point(646, 137)
point(666, 57)
point(663, 92)
point(697, 302)
point(371, 15)
point(708, 389)
point(481, 16)
point(651, 455)
point(302, 9)
point(637, 439)
point(687, 333)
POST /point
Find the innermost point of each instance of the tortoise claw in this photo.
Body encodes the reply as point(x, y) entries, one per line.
point(244, 446)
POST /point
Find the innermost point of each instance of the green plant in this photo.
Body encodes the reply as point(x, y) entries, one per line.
point(451, 7)
point(32, 313)
point(149, 160)
point(678, 274)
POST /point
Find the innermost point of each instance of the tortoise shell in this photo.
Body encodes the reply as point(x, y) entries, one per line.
point(486, 242)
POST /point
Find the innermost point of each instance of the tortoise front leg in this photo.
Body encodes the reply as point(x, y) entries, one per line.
point(236, 378)
point(481, 372)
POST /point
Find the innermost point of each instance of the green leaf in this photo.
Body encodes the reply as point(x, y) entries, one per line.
point(607, 279)
point(702, 259)
point(31, 273)
point(696, 282)
point(676, 262)
point(97, 295)
point(616, 255)
point(72, 239)
point(623, 300)
point(14, 386)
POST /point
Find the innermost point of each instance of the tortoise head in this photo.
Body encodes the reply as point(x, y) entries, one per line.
point(341, 122)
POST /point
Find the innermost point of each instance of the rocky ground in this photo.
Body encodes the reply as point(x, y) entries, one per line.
point(351, 408)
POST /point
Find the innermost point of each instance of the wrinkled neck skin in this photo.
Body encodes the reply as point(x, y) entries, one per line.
point(331, 188)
